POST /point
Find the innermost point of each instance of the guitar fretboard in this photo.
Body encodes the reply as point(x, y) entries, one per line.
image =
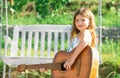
point(54, 66)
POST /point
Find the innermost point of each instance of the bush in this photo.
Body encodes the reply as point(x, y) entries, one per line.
point(45, 7)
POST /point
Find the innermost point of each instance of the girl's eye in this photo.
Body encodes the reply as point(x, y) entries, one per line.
point(83, 20)
point(77, 20)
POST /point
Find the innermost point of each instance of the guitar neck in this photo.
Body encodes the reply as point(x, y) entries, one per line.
point(54, 66)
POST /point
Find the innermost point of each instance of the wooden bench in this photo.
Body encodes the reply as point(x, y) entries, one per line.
point(34, 44)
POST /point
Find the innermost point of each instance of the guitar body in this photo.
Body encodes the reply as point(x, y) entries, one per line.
point(85, 66)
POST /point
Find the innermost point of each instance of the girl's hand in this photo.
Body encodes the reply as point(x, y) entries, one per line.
point(69, 63)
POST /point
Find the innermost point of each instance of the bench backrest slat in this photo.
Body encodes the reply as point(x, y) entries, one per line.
point(49, 43)
point(23, 43)
point(56, 42)
point(62, 40)
point(36, 43)
point(42, 43)
point(40, 40)
point(29, 43)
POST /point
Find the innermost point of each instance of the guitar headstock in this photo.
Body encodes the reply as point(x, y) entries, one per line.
point(21, 67)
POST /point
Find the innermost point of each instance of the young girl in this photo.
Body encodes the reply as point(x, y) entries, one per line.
point(82, 34)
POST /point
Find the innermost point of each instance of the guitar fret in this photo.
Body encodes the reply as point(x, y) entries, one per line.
point(46, 66)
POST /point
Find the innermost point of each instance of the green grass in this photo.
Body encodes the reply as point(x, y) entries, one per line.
point(35, 74)
point(107, 20)
point(111, 51)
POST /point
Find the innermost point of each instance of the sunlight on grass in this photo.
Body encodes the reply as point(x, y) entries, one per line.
point(115, 59)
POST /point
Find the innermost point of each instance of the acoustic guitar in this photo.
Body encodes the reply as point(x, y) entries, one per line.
point(85, 66)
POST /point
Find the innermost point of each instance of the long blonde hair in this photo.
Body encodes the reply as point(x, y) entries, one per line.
point(85, 12)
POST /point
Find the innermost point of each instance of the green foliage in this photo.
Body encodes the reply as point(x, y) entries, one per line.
point(45, 7)
point(111, 50)
point(61, 12)
point(112, 46)
point(1, 65)
point(18, 4)
point(117, 75)
point(34, 74)
point(2, 43)
point(56, 18)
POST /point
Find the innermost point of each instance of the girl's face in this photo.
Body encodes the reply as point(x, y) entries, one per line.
point(81, 22)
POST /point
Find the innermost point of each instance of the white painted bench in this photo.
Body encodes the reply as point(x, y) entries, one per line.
point(34, 44)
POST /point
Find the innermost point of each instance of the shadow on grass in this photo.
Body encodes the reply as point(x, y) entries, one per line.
point(108, 70)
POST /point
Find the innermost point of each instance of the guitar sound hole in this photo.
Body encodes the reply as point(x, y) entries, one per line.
point(62, 67)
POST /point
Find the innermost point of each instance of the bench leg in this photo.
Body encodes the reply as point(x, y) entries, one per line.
point(9, 72)
point(4, 70)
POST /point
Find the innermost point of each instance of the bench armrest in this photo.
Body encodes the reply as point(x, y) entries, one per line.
point(8, 40)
